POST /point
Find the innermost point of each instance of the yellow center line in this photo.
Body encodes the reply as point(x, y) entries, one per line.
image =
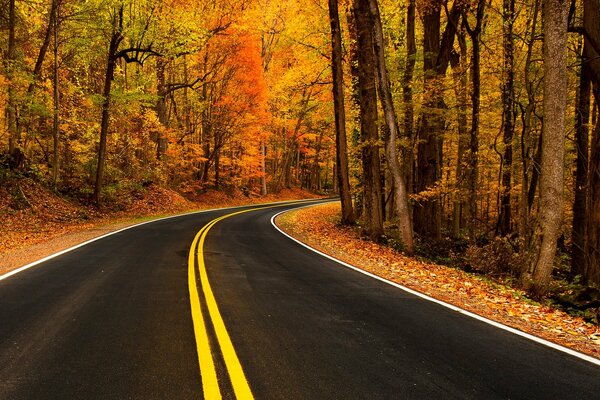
point(234, 368)
point(208, 373)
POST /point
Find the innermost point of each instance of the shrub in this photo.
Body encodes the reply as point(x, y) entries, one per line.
point(499, 256)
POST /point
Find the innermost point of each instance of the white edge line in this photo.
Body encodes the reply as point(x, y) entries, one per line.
point(54, 255)
point(545, 342)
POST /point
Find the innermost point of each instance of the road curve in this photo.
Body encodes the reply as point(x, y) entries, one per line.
point(112, 320)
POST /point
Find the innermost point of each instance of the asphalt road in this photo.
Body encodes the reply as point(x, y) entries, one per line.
point(112, 320)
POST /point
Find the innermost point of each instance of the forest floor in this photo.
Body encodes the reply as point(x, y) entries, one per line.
point(318, 227)
point(35, 222)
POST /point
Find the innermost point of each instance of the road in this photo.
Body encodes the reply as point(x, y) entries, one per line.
point(249, 312)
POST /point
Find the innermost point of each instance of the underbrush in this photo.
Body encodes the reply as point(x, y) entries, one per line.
point(502, 260)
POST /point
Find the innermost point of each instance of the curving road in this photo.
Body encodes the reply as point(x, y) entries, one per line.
point(117, 319)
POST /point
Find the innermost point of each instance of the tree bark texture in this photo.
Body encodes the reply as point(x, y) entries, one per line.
point(591, 23)
point(407, 97)
point(9, 67)
point(341, 153)
point(373, 213)
point(553, 150)
point(460, 75)
point(56, 99)
point(427, 213)
point(437, 53)
point(582, 119)
point(508, 128)
point(392, 133)
point(108, 79)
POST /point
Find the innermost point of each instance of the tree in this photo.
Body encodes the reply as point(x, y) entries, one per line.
point(138, 52)
point(437, 53)
point(373, 213)
point(591, 51)
point(508, 123)
point(391, 132)
point(537, 277)
point(341, 154)
point(473, 155)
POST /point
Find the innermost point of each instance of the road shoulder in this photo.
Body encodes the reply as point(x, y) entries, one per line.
point(317, 227)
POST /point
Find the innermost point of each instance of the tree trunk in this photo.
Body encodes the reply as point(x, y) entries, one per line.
point(460, 74)
point(592, 273)
point(437, 54)
point(56, 102)
point(426, 211)
point(9, 67)
point(582, 119)
point(341, 153)
point(508, 94)
point(539, 274)
point(527, 115)
point(591, 22)
point(407, 97)
point(111, 61)
point(391, 133)
point(473, 155)
point(263, 168)
point(373, 214)
point(161, 106)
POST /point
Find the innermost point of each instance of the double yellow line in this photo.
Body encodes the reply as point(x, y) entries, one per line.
point(208, 373)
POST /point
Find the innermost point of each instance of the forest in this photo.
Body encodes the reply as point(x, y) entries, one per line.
point(464, 131)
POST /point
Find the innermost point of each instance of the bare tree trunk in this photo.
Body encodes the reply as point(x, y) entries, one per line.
point(437, 53)
point(473, 156)
point(539, 275)
point(592, 272)
point(9, 67)
point(527, 114)
point(508, 94)
point(368, 122)
point(111, 61)
point(407, 96)
point(392, 132)
point(56, 102)
point(263, 168)
point(591, 22)
point(341, 153)
point(426, 211)
point(460, 73)
point(582, 119)
point(161, 105)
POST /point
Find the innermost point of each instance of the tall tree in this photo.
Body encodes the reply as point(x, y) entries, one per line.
point(407, 95)
point(508, 123)
point(437, 53)
point(137, 52)
point(341, 153)
point(54, 21)
point(591, 48)
point(582, 119)
point(473, 155)
point(537, 277)
point(10, 59)
point(373, 213)
point(460, 75)
point(392, 132)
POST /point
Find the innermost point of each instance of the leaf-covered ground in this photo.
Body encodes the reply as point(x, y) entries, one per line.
point(35, 222)
point(317, 226)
